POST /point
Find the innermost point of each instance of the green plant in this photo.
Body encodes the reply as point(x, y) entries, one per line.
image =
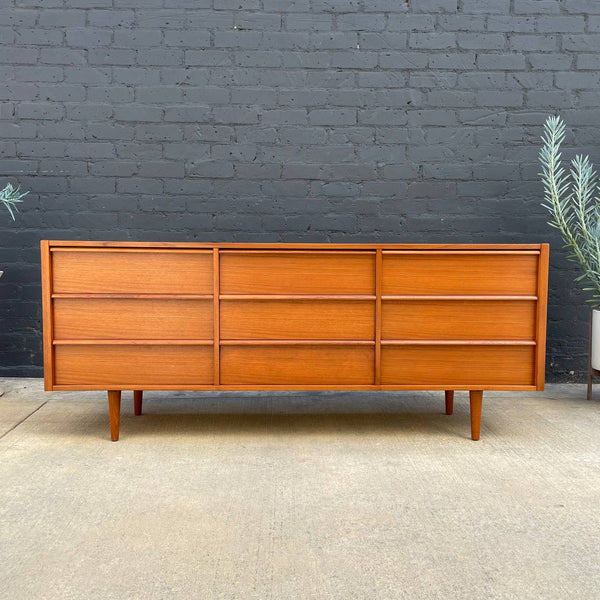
point(572, 199)
point(10, 196)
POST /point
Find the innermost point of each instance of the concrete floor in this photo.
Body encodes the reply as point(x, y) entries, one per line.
point(297, 496)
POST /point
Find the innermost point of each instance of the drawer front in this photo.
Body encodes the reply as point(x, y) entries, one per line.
point(130, 318)
point(297, 272)
point(124, 366)
point(121, 271)
point(458, 320)
point(298, 319)
point(489, 273)
point(297, 365)
point(457, 365)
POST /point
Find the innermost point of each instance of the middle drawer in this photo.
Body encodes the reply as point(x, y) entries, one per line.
point(297, 319)
point(132, 318)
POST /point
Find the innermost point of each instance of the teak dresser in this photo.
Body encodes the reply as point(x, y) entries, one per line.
point(187, 316)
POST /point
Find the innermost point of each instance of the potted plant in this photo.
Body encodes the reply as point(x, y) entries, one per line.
point(573, 201)
point(10, 196)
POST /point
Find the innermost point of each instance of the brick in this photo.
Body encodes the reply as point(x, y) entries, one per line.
point(481, 41)
point(462, 61)
point(332, 117)
point(212, 58)
point(138, 113)
point(486, 6)
point(86, 75)
point(90, 37)
point(190, 39)
point(110, 94)
point(159, 132)
point(582, 43)
point(161, 169)
point(40, 110)
point(309, 22)
point(501, 62)
point(18, 56)
point(361, 22)
point(511, 24)
point(238, 115)
point(577, 81)
point(37, 37)
point(536, 7)
point(62, 18)
point(535, 43)
point(187, 113)
point(160, 57)
point(212, 169)
point(550, 62)
point(111, 18)
point(137, 38)
point(158, 94)
point(432, 41)
point(39, 74)
point(284, 117)
point(410, 23)
point(111, 57)
point(136, 76)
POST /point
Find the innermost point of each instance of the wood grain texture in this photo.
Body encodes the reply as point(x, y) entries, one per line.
point(150, 272)
point(460, 320)
point(481, 292)
point(457, 365)
point(297, 273)
point(449, 398)
point(47, 315)
point(541, 317)
point(297, 319)
point(475, 400)
point(138, 397)
point(131, 366)
point(297, 365)
point(114, 413)
point(483, 273)
point(110, 318)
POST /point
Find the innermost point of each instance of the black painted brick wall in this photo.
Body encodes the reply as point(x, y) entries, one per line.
point(288, 120)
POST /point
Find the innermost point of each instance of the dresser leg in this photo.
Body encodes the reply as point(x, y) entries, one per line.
point(475, 396)
point(137, 402)
point(449, 402)
point(114, 413)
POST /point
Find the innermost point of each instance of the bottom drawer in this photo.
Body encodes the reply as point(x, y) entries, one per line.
point(457, 365)
point(297, 365)
point(124, 365)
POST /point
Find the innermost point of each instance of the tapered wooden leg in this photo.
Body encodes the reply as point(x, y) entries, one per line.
point(137, 402)
point(449, 402)
point(114, 413)
point(475, 396)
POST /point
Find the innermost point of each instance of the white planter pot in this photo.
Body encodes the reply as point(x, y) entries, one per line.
point(595, 339)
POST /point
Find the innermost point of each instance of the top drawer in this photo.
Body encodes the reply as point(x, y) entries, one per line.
point(132, 271)
point(460, 273)
point(297, 272)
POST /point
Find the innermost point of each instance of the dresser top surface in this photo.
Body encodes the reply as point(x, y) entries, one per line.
point(286, 246)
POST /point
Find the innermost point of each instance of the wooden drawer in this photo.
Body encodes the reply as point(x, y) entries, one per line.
point(316, 272)
point(457, 365)
point(123, 366)
point(132, 271)
point(484, 273)
point(298, 319)
point(297, 365)
point(458, 319)
point(131, 318)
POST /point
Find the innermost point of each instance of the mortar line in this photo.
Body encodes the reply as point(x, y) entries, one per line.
point(23, 420)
